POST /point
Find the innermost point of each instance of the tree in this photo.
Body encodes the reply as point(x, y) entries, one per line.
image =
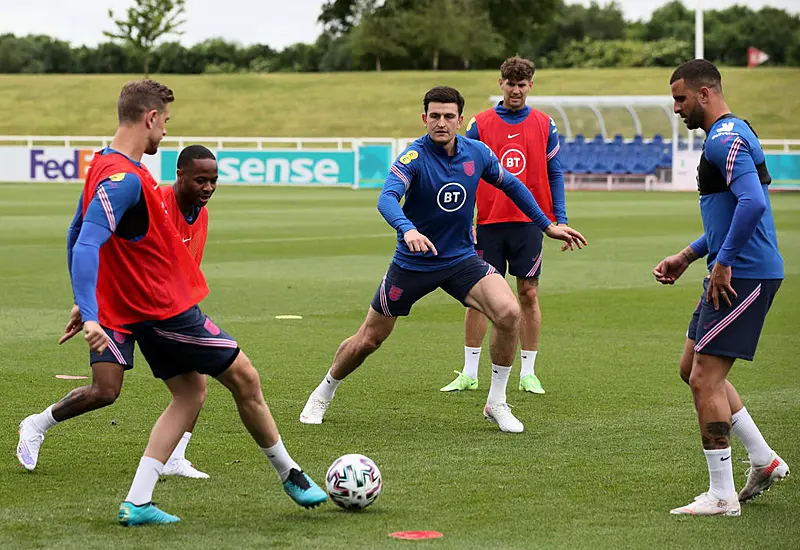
point(377, 36)
point(519, 21)
point(146, 22)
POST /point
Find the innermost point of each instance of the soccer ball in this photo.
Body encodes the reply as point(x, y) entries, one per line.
point(353, 482)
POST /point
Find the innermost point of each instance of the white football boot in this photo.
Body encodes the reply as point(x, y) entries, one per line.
point(708, 505)
point(314, 410)
point(761, 478)
point(30, 440)
point(501, 415)
point(183, 468)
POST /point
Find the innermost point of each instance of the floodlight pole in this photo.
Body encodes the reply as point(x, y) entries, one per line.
point(698, 30)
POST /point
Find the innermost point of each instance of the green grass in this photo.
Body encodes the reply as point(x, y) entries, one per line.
point(610, 448)
point(365, 104)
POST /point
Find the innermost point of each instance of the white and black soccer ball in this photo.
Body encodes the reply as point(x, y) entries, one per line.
point(353, 482)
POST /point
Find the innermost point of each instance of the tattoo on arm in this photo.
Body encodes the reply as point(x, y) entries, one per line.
point(689, 254)
point(717, 435)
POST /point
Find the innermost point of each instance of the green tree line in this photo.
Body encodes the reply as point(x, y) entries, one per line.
point(362, 35)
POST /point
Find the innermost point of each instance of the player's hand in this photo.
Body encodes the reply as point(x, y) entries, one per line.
point(565, 233)
point(95, 336)
point(417, 242)
point(670, 269)
point(474, 235)
point(74, 325)
point(719, 285)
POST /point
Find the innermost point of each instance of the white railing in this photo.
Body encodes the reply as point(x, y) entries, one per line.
point(221, 142)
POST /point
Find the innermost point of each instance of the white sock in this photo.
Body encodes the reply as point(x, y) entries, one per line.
point(497, 391)
point(746, 430)
point(180, 451)
point(471, 358)
point(280, 460)
point(720, 473)
point(327, 388)
point(44, 420)
point(528, 362)
point(144, 481)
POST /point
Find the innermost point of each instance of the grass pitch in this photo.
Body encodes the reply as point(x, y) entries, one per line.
point(607, 451)
point(364, 104)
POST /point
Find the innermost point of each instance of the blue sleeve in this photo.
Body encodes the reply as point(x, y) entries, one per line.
point(86, 255)
point(750, 206)
point(112, 199)
point(73, 231)
point(496, 175)
point(731, 155)
point(401, 174)
point(472, 129)
point(700, 246)
point(555, 176)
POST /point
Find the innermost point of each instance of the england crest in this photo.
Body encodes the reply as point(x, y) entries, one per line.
point(395, 293)
point(469, 167)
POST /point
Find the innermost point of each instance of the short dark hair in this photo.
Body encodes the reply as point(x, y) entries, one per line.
point(141, 96)
point(697, 73)
point(444, 94)
point(192, 153)
point(517, 68)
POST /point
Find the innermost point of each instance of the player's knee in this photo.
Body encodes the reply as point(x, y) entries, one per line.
point(104, 395)
point(507, 316)
point(699, 382)
point(529, 296)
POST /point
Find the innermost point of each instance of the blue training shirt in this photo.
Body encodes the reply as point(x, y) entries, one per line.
point(554, 174)
point(439, 193)
point(734, 202)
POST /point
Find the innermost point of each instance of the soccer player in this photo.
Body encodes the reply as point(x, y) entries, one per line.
point(526, 142)
point(438, 175)
point(133, 272)
point(195, 183)
point(746, 271)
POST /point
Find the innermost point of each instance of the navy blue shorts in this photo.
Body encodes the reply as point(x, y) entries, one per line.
point(402, 288)
point(733, 331)
point(119, 350)
point(185, 343)
point(517, 244)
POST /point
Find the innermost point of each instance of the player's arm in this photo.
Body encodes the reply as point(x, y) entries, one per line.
point(73, 231)
point(672, 267)
point(496, 175)
point(555, 176)
point(109, 204)
point(401, 175)
point(472, 129)
point(736, 163)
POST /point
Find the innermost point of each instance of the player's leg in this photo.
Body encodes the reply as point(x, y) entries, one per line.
point(349, 356)
point(188, 395)
point(396, 294)
point(107, 374)
point(489, 293)
point(177, 464)
point(491, 249)
point(525, 263)
point(244, 383)
point(722, 336)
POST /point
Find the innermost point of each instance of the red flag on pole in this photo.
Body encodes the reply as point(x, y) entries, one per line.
point(755, 57)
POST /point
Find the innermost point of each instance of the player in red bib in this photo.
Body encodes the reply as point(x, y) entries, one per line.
point(196, 181)
point(134, 279)
point(526, 142)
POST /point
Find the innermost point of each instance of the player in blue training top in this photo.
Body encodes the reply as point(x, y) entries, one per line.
point(746, 271)
point(438, 175)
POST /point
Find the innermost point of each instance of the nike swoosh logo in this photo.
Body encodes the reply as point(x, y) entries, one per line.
point(475, 352)
point(726, 458)
point(187, 240)
point(512, 136)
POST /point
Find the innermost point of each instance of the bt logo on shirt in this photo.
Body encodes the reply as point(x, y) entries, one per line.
point(451, 197)
point(513, 160)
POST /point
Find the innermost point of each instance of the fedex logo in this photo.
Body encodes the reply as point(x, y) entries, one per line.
point(59, 164)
